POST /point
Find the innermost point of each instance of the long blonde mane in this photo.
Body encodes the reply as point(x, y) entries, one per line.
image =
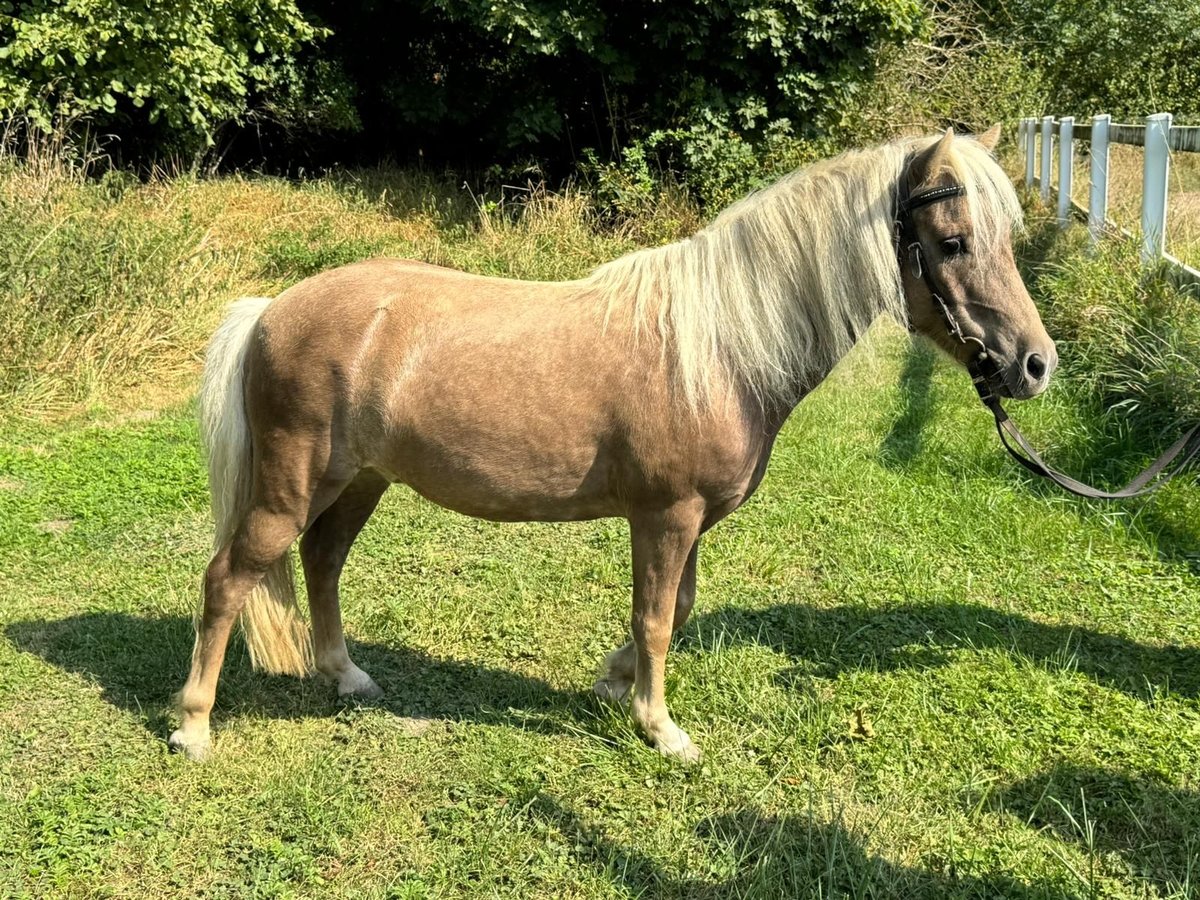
point(779, 287)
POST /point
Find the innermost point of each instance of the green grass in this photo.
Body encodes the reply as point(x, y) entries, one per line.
point(913, 674)
point(1129, 339)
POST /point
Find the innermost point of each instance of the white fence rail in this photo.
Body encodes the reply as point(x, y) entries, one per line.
point(1158, 136)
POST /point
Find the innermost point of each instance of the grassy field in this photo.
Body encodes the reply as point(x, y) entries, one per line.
point(913, 672)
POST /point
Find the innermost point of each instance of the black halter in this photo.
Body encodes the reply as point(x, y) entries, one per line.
point(985, 372)
point(908, 243)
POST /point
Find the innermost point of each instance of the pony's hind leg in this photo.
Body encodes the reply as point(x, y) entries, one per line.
point(235, 570)
point(620, 666)
point(252, 571)
point(323, 552)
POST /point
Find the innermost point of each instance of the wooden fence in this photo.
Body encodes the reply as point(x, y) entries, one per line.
point(1158, 136)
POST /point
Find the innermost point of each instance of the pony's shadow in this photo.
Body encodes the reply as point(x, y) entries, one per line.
point(1148, 823)
point(905, 438)
point(1172, 533)
point(824, 642)
point(760, 855)
point(140, 662)
point(1103, 456)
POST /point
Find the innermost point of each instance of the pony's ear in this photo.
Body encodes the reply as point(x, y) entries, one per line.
point(931, 160)
point(990, 138)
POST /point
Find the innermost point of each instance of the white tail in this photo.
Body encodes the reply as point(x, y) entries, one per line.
point(276, 635)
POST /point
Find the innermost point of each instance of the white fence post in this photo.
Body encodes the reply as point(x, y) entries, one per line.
point(1154, 186)
point(1030, 150)
point(1047, 127)
point(1098, 192)
point(1021, 136)
point(1066, 168)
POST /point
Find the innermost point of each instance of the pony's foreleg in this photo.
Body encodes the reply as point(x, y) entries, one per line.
point(620, 666)
point(323, 552)
point(662, 542)
point(235, 570)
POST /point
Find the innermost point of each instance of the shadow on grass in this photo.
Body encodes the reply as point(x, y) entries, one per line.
point(906, 436)
point(1035, 247)
point(140, 662)
point(405, 193)
point(1152, 826)
point(756, 855)
point(1169, 527)
point(918, 636)
point(1109, 454)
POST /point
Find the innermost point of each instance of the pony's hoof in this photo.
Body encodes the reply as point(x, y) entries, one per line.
point(678, 747)
point(361, 689)
point(195, 749)
point(614, 689)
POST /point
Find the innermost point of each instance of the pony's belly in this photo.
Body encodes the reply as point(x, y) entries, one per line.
point(502, 486)
point(518, 508)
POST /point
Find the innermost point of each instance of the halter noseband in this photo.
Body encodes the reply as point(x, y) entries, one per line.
point(985, 372)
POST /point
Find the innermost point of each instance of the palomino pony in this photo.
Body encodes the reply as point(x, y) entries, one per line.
point(653, 389)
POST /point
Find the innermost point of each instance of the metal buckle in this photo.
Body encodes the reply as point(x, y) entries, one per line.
point(914, 252)
point(951, 322)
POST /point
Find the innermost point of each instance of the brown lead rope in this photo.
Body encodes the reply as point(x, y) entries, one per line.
point(1158, 473)
point(984, 373)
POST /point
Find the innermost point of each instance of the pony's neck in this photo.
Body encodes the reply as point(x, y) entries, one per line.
point(779, 287)
point(775, 410)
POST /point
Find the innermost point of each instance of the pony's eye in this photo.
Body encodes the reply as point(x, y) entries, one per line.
point(953, 246)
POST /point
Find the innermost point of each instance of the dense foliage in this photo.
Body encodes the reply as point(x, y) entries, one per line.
point(481, 79)
point(725, 92)
point(168, 71)
point(1127, 58)
point(461, 80)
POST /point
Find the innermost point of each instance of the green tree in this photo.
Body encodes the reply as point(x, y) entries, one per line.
point(183, 67)
point(1127, 58)
point(483, 79)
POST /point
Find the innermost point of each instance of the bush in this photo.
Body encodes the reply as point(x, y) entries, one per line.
point(720, 164)
point(959, 73)
point(170, 72)
point(1127, 58)
point(953, 73)
point(497, 81)
point(1126, 336)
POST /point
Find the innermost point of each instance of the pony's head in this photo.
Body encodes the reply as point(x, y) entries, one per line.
point(960, 280)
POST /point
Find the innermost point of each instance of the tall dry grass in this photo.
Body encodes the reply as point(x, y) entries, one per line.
point(112, 284)
point(1125, 172)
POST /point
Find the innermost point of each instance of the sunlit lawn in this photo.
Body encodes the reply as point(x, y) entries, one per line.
point(913, 674)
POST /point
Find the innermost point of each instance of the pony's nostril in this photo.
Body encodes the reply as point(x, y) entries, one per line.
point(1035, 365)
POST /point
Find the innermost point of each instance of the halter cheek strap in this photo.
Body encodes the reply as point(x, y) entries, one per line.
point(985, 372)
point(908, 244)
